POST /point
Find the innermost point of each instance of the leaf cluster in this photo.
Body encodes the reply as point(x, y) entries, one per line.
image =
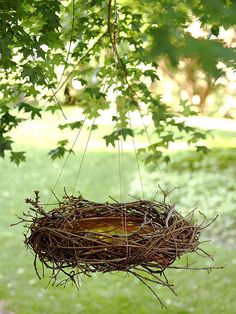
point(84, 39)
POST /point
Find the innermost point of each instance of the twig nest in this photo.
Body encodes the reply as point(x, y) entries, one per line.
point(80, 236)
point(106, 237)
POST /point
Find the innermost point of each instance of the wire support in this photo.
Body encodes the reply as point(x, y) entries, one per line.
point(67, 158)
point(83, 156)
point(136, 156)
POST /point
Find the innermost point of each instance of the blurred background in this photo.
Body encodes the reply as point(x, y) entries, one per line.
point(206, 181)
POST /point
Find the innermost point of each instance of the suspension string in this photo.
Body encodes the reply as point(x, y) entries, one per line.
point(147, 134)
point(150, 143)
point(119, 145)
point(84, 153)
point(87, 143)
point(138, 107)
point(72, 71)
point(149, 140)
point(155, 159)
point(136, 157)
point(120, 141)
point(120, 169)
point(66, 160)
point(72, 147)
point(124, 214)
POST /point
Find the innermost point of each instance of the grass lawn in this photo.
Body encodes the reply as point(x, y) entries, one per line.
point(199, 292)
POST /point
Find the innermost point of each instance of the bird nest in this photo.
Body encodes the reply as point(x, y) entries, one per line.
point(142, 238)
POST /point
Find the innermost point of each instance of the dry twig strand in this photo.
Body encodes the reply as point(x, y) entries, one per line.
point(142, 238)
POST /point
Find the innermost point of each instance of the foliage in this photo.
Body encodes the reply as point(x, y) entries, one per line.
point(38, 37)
point(169, 26)
point(60, 150)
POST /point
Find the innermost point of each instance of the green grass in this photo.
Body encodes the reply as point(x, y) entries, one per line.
point(198, 292)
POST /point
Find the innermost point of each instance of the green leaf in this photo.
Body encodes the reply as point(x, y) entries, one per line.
point(62, 143)
point(60, 151)
point(187, 110)
point(215, 30)
point(31, 109)
point(196, 136)
point(169, 137)
point(166, 159)
point(8, 121)
point(72, 125)
point(203, 149)
point(115, 135)
point(114, 118)
point(152, 74)
point(52, 108)
point(94, 127)
point(154, 157)
point(163, 43)
point(34, 73)
point(5, 144)
point(126, 132)
point(17, 157)
point(111, 138)
point(208, 54)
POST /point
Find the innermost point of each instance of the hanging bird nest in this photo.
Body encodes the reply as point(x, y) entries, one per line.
point(142, 237)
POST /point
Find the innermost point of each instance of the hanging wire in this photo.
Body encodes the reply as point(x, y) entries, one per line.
point(150, 143)
point(114, 46)
point(61, 84)
point(83, 156)
point(87, 143)
point(145, 127)
point(121, 65)
point(85, 118)
point(120, 166)
point(136, 156)
point(67, 158)
point(139, 110)
point(120, 141)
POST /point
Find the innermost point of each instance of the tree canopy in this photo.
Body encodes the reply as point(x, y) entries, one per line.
point(105, 45)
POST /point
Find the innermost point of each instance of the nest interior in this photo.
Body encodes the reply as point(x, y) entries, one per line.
point(91, 237)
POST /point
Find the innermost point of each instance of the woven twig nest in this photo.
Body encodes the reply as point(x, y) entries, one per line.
point(79, 236)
